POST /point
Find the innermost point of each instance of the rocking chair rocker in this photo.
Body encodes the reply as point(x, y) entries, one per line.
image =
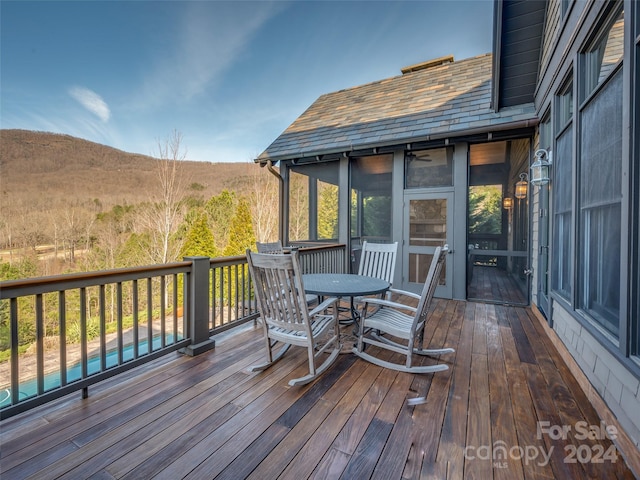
point(388, 319)
point(277, 283)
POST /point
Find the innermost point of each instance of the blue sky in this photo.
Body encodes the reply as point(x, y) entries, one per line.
point(229, 76)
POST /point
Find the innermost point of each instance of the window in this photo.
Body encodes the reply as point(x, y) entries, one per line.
point(600, 179)
point(602, 56)
point(563, 194)
point(429, 168)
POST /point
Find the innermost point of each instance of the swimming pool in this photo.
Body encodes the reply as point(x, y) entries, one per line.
point(74, 372)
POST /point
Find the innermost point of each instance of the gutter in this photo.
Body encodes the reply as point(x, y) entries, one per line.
point(274, 172)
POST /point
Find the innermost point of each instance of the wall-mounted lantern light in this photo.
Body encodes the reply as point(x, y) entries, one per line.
point(540, 168)
point(507, 203)
point(521, 186)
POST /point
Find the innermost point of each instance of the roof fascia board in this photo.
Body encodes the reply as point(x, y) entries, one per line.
point(371, 149)
point(497, 48)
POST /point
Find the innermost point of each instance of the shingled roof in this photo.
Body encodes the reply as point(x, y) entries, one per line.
point(441, 101)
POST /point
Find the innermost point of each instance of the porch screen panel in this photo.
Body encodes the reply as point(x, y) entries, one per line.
point(298, 206)
point(600, 205)
point(313, 201)
point(429, 168)
point(327, 211)
point(371, 185)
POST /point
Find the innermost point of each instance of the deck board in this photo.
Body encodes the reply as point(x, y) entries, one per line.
point(209, 417)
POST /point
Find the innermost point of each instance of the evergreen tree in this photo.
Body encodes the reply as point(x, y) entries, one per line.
point(327, 211)
point(485, 209)
point(220, 209)
point(199, 240)
point(241, 233)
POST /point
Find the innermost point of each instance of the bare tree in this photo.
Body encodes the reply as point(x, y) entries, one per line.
point(78, 222)
point(264, 198)
point(166, 209)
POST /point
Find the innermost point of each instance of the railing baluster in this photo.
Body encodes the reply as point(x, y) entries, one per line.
point(229, 294)
point(149, 315)
point(83, 330)
point(214, 297)
point(244, 291)
point(39, 344)
point(175, 308)
point(186, 295)
point(163, 327)
point(136, 307)
point(236, 296)
point(103, 328)
point(15, 372)
point(222, 285)
point(62, 325)
point(119, 324)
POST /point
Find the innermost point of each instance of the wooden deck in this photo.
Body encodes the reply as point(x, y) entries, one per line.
point(206, 417)
point(494, 284)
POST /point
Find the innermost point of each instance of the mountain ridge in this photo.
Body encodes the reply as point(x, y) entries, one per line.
point(41, 170)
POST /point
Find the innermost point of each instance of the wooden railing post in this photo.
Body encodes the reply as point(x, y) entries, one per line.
point(199, 307)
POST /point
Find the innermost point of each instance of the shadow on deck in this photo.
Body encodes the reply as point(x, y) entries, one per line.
point(207, 417)
point(494, 284)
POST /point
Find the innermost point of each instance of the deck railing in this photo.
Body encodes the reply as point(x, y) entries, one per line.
point(68, 332)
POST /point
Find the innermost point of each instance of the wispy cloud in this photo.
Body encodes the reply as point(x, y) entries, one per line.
point(211, 36)
point(92, 102)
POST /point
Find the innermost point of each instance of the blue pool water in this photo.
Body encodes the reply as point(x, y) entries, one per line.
point(74, 372)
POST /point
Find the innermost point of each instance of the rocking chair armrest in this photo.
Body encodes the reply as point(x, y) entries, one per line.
point(323, 306)
point(404, 292)
point(387, 303)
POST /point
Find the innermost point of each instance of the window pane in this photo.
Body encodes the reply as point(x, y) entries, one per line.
point(600, 205)
point(429, 168)
point(565, 106)
point(603, 55)
point(562, 193)
point(545, 133)
point(600, 292)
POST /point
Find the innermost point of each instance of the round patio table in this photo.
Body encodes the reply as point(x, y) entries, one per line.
point(343, 285)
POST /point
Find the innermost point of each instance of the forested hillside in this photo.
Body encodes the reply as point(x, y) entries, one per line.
point(72, 205)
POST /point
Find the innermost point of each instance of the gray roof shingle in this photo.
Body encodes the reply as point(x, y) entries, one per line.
point(442, 100)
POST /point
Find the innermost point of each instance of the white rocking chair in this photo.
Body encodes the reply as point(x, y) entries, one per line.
point(277, 283)
point(269, 247)
point(378, 260)
point(388, 319)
